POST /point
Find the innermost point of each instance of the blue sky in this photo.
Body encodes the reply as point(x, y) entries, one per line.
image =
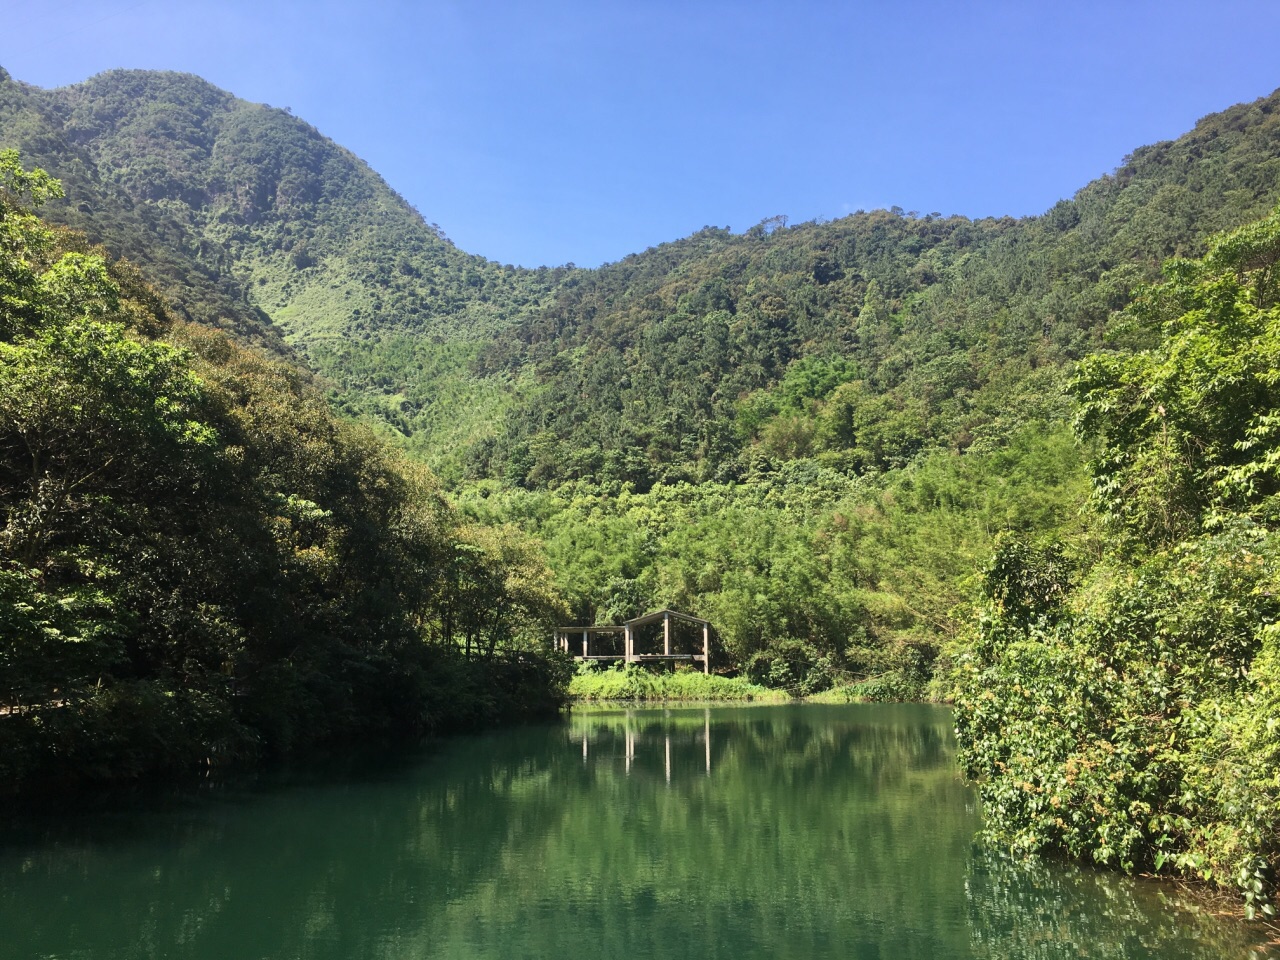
point(544, 133)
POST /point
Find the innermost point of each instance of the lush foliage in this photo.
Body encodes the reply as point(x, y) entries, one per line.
point(250, 220)
point(197, 559)
point(808, 433)
point(639, 683)
point(1126, 712)
point(812, 578)
point(861, 342)
point(812, 435)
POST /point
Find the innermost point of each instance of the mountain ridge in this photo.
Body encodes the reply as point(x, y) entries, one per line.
point(544, 376)
point(285, 224)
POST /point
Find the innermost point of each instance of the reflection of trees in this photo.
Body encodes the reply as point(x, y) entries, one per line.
point(1039, 911)
point(793, 846)
point(318, 871)
point(819, 831)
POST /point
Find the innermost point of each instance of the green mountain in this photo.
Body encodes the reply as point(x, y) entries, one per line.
point(862, 341)
point(198, 279)
point(251, 219)
point(811, 433)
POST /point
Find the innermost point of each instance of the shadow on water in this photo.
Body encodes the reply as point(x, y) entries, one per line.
point(798, 831)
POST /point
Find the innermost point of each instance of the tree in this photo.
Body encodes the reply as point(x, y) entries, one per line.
point(1189, 427)
point(25, 242)
point(1131, 721)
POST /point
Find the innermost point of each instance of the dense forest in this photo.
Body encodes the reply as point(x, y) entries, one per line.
point(248, 218)
point(809, 433)
point(905, 331)
point(1026, 465)
point(200, 562)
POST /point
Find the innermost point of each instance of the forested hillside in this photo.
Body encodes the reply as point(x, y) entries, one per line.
point(198, 279)
point(812, 434)
point(862, 341)
point(199, 562)
point(815, 435)
point(252, 219)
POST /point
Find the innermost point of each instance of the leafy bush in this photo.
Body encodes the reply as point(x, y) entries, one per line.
point(1132, 721)
point(639, 683)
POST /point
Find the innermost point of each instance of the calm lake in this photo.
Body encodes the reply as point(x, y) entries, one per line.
point(728, 832)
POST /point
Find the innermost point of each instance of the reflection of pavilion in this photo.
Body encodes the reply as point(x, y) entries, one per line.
point(641, 741)
point(635, 642)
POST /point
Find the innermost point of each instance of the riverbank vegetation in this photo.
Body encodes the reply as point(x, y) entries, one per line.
point(638, 683)
point(199, 563)
point(1123, 708)
point(812, 578)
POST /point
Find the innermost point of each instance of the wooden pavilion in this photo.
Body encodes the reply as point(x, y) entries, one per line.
point(632, 643)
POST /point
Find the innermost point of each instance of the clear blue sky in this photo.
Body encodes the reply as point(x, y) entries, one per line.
point(548, 132)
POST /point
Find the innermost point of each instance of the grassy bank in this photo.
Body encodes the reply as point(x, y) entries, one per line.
point(636, 683)
point(892, 686)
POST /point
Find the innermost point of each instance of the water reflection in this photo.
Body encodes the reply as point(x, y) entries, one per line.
point(801, 832)
point(1040, 911)
point(650, 733)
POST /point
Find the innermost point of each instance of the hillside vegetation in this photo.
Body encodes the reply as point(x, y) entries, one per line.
point(198, 562)
point(862, 341)
point(814, 435)
point(810, 433)
point(250, 218)
point(1124, 709)
point(859, 342)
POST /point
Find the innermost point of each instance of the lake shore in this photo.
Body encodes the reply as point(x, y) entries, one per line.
point(590, 686)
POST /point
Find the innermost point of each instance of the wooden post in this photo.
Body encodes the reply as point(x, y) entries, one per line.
point(706, 648)
point(584, 644)
point(628, 642)
point(666, 635)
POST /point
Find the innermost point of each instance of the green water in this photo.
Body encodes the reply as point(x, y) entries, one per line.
point(744, 832)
